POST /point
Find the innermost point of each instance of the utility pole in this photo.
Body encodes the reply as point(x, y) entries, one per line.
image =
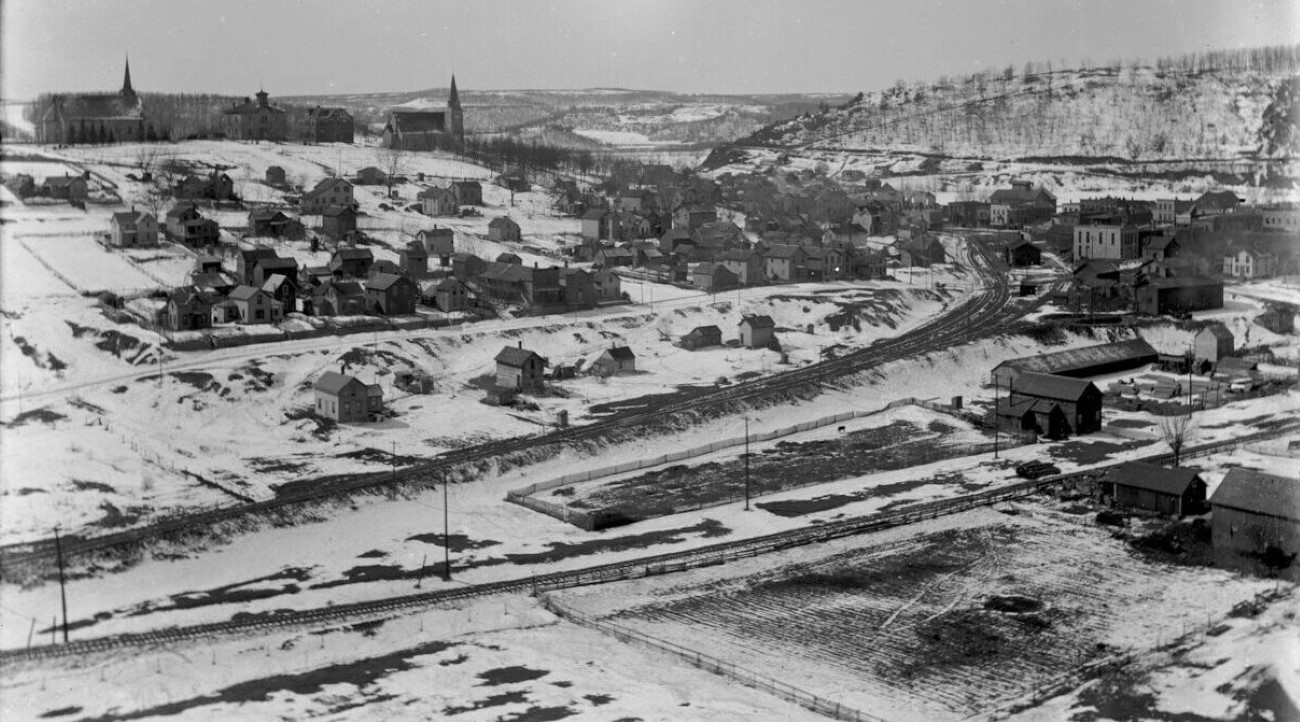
point(446, 528)
point(746, 463)
point(997, 421)
point(393, 458)
point(63, 592)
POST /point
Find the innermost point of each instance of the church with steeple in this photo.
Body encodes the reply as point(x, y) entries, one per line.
point(426, 128)
point(96, 117)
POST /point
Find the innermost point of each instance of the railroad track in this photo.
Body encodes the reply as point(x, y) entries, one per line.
point(654, 565)
point(988, 312)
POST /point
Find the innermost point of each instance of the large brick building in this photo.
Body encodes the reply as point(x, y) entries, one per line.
point(255, 120)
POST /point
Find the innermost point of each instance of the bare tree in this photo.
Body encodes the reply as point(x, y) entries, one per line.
point(146, 157)
point(1176, 432)
point(392, 161)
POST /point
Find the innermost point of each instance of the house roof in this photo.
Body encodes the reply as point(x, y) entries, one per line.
point(418, 121)
point(517, 357)
point(354, 254)
point(1051, 386)
point(1154, 478)
point(435, 232)
point(1083, 358)
point(332, 382)
point(243, 293)
point(324, 185)
point(264, 214)
point(383, 281)
point(758, 321)
point(705, 331)
point(594, 214)
point(1255, 491)
point(781, 250)
point(211, 279)
point(274, 281)
point(500, 221)
point(468, 185)
point(506, 272)
point(125, 219)
point(1218, 331)
point(277, 263)
point(621, 353)
point(337, 210)
point(347, 288)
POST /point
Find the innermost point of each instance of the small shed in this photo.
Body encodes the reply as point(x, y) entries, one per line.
point(1256, 512)
point(1213, 343)
point(503, 228)
point(702, 337)
point(520, 369)
point(1175, 492)
point(1023, 253)
point(616, 360)
point(756, 331)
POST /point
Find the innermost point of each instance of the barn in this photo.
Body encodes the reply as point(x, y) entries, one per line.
point(1055, 406)
point(1106, 358)
point(1256, 512)
point(1175, 492)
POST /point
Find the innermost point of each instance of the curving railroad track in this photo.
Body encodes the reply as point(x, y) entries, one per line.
point(988, 312)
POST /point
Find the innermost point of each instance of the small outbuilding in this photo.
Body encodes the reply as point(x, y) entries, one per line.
point(1213, 343)
point(702, 337)
point(1052, 405)
point(520, 369)
point(1256, 512)
point(756, 331)
point(1175, 492)
point(616, 360)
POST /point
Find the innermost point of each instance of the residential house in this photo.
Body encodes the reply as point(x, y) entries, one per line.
point(66, 187)
point(437, 201)
point(1173, 492)
point(339, 222)
point(267, 222)
point(467, 265)
point(451, 295)
point(283, 290)
point(598, 224)
point(389, 294)
point(756, 331)
point(189, 308)
point(520, 369)
point(713, 239)
point(184, 224)
point(439, 243)
point(340, 298)
point(578, 289)
point(413, 260)
point(132, 229)
point(1248, 264)
point(348, 262)
point(347, 399)
point(746, 264)
point(502, 228)
point(1213, 343)
point(468, 193)
point(693, 215)
point(702, 337)
point(1052, 405)
point(269, 265)
point(608, 286)
point(328, 192)
point(968, 214)
point(615, 360)
point(254, 306)
point(247, 260)
point(1020, 205)
point(614, 256)
point(921, 251)
point(1257, 513)
point(323, 125)
point(276, 177)
point(784, 262)
point(714, 277)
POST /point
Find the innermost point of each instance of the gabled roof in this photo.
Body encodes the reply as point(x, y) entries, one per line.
point(468, 184)
point(277, 263)
point(517, 357)
point(383, 281)
point(621, 353)
point(347, 288)
point(1261, 493)
point(435, 232)
point(500, 221)
point(243, 293)
point(125, 219)
point(337, 210)
point(595, 214)
point(781, 250)
point(332, 382)
point(705, 331)
point(1154, 478)
point(1218, 331)
point(758, 321)
point(417, 121)
point(354, 254)
point(1051, 386)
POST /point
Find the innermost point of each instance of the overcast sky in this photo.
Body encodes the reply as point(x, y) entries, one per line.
point(725, 46)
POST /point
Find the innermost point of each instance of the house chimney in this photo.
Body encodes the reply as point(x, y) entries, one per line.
point(521, 344)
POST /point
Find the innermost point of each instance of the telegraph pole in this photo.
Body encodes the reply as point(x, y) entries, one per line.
point(997, 421)
point(63, 592)
point(746, 463)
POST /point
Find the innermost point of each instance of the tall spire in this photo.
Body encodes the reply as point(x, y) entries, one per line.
point(126, 81)
point(453, 98)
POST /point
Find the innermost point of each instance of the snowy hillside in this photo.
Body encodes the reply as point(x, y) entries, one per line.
point(1223, 106)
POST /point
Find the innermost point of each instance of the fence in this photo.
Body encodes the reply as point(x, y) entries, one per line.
point(205, 341)
point(747, 677)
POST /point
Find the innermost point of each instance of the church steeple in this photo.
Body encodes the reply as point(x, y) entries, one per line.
point(453, 98)
point(126, 80)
